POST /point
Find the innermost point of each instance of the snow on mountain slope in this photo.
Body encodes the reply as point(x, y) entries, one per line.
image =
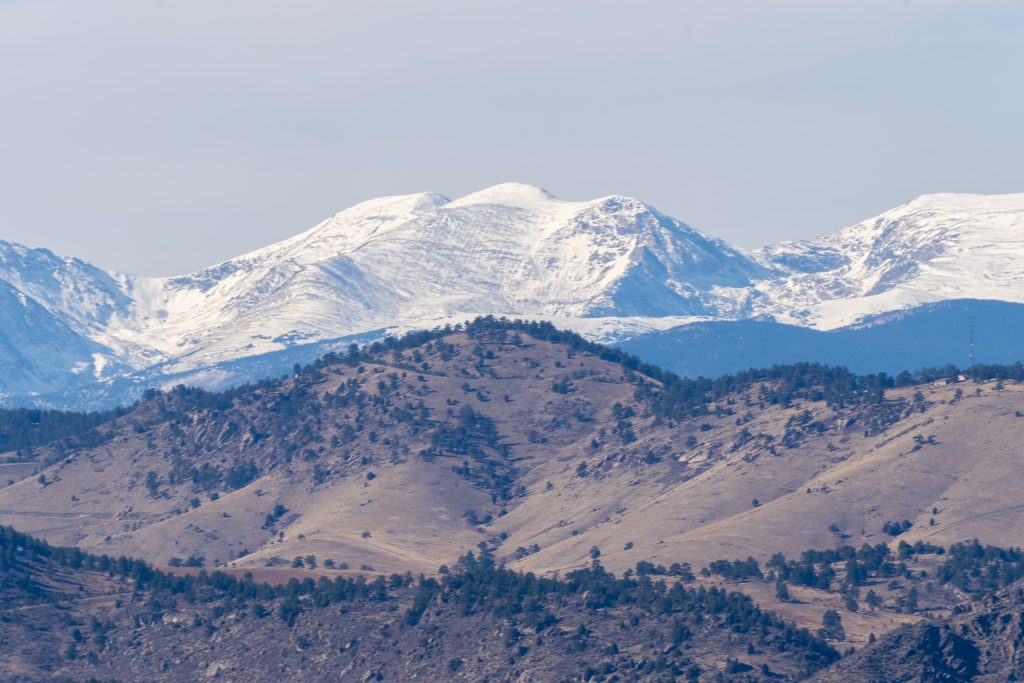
point(610, 268)
point(516, 249)
point(83, 296)
point(934, 248)
point(297, 290)
point(51, 311)
point(38, 351)
point(405, 261)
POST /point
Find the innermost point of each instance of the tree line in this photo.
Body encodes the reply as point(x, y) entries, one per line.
point(22, 429)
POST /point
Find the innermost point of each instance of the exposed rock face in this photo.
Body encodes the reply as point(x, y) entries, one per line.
point(981, 643)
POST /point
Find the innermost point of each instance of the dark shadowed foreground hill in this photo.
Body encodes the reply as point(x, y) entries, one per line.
point(981, 643)
point(69, 615)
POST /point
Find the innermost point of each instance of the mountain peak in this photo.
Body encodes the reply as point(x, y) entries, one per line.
point(518, 195)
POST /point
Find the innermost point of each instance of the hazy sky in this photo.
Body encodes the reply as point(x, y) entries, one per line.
point(158, 137)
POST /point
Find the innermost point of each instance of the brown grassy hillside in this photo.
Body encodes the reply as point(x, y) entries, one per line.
point(541, 449)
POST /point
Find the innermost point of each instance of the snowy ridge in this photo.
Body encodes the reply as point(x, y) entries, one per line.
point(400, 261)
point(611, 268)
point(934, 248)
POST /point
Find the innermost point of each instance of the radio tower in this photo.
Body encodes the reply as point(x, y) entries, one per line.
point(970, 340)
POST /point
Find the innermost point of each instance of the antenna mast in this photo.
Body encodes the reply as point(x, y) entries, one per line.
point(970, 339)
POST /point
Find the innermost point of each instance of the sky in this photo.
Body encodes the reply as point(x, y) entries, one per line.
point(158, 137)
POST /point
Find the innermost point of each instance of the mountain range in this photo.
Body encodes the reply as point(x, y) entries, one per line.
point(614, 269)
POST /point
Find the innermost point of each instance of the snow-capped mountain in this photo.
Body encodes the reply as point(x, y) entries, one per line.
point(611, 268)
point(53, 313)
point(401, 261)
point(510, 249)
point(934, 248)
